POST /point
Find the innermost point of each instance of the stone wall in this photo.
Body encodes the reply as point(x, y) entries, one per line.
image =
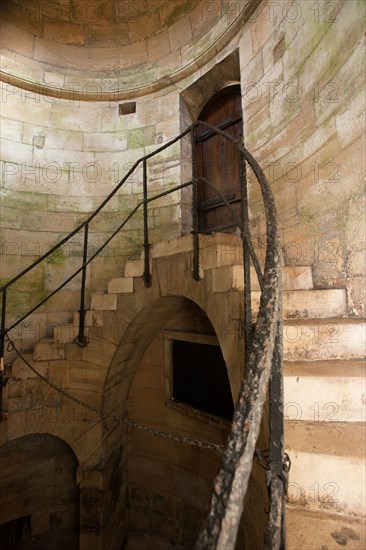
point(302, 76)
point(60, 159)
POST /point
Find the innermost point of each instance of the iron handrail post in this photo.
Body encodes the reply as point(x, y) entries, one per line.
point(196, 273)
point(147, 274)
point(3, 380)
point(3, 320)
point(81, 340)
point(246, 257)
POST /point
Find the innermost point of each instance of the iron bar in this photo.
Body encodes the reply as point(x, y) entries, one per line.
point(81, 337)
point(275, 537)
point(3, 322)
point(246, 257)
point(196, 251)
point(147, 274)
point(3, 379)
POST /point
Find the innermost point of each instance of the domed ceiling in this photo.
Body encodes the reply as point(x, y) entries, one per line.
point(103, 47)
point(95, 22)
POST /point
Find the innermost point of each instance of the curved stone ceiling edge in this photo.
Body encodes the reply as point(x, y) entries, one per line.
point(72, 94)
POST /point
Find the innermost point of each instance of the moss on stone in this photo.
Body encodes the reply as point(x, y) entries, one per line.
point(56, 258)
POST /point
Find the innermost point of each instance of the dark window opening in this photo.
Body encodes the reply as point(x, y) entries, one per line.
point(127, 108)
point(14, 533)
point(200, 378)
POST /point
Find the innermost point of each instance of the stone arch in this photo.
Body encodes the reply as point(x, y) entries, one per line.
point(150, 308)
point(142, 316)
point(40, 495)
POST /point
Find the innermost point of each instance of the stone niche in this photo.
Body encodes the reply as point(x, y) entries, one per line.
point(39, 495)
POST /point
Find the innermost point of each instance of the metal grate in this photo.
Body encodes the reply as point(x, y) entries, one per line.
point(200, 378)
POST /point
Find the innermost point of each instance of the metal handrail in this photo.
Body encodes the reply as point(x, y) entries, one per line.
point(263, 348)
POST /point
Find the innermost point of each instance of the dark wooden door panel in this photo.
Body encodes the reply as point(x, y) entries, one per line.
point(218, 162)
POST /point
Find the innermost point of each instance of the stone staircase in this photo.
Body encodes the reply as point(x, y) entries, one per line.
point(324, 385)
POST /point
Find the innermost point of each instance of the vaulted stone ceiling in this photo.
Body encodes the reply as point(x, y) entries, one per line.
point(95, 22)
point(126, 48)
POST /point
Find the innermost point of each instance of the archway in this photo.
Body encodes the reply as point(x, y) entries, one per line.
point(39, 494)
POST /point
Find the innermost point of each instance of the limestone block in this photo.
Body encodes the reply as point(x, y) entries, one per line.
point(21, 370)
point(12, 130)
point(314, 304)
point(15, 152)
point(122, 285)
point(324, 391)
point(174, 246)
point(134, 268)
point(66, 117)
point(48, 350)
point(324, 339)
point(143, 27)
point(111, 35)
point(24, 108)
point(104, 302)
point(91, 319)
point(312, 529)
point(227, 278)
point(158, 44)
point(180, 34)
point(339, 480)
point(65, 334)
point(99, 352)
point(68, 33)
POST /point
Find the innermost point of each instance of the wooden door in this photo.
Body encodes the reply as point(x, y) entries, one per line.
point(218, 161)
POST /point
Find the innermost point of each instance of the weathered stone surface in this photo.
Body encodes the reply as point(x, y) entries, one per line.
point(123, 285)
point(48, 350)
point(102, 302)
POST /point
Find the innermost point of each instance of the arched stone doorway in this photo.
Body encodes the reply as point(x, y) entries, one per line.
point(39, 495)
point(162, 487)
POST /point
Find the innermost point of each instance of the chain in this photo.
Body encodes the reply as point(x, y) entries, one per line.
point(105, 416)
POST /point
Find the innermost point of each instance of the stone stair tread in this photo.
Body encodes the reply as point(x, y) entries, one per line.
point(328, 369)
point(101, 302)
point(324, 320)
point(120, 285)
point(310, 304)
point(307, 529)
point(343, 439)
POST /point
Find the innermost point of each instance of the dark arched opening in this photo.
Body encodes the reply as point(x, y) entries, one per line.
point(39, 495)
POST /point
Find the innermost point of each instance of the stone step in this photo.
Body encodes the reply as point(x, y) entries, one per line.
point(134, 268)
point(92, 318)
point(104, 302)
point(324, 339)
point(307, 530)
point(327, 465)
point(231, 277)
point(311, 304)
point(325, 391)
point(121, 285)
